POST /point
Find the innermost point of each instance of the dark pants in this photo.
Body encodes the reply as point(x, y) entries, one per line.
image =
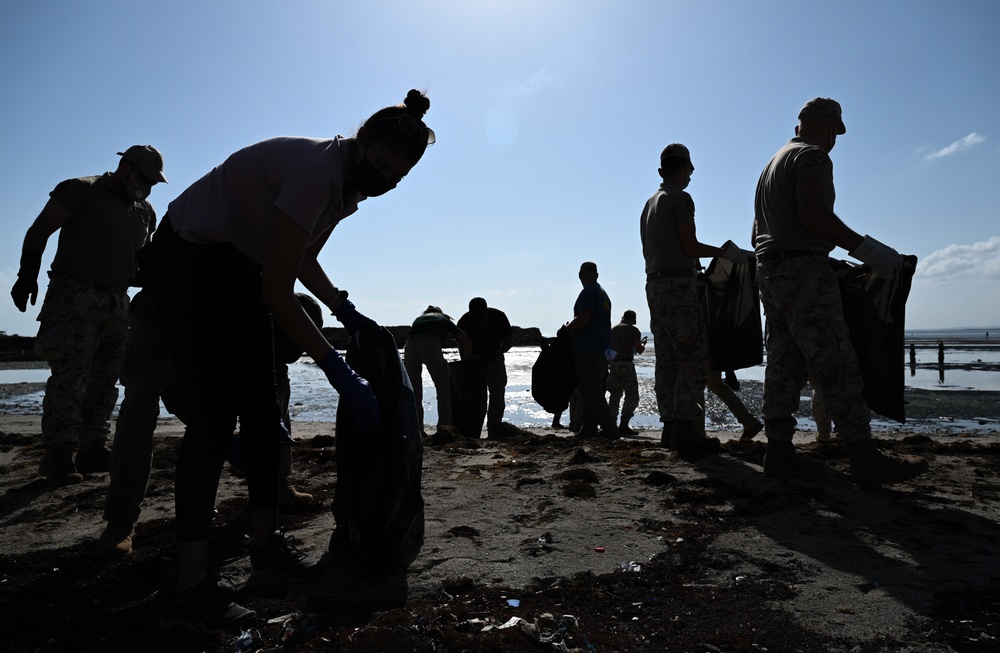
point(221, 339)
point(591, 378)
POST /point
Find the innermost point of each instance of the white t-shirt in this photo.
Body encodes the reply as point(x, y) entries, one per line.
point(236, 201)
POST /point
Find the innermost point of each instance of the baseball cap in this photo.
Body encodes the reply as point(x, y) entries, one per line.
point(147, 159)
point(675, 151)
point(824, 106)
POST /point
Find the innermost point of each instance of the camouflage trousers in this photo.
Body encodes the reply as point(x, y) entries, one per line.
point(807, 339)
point(680, 343)
point(83, 335)
point(622, 379)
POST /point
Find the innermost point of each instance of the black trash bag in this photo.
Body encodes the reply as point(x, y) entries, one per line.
point(875, 312)
point(732, 315)
point(377, 506)
point(469, 398)
point(553, 375)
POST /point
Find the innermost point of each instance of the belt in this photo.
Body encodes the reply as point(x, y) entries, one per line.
point(69, 276)
point(420, 336)
point(785, 254)
point(672, 272)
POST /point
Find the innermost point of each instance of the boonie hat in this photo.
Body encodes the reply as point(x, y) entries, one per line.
point(824, 106)
point(147, 159)
point(675, 151)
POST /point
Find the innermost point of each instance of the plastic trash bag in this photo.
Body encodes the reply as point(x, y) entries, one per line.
point(875, 312)
point(732, 315)
point(377, 506)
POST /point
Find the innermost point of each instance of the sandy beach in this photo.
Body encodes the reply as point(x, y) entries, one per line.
point(543, 542)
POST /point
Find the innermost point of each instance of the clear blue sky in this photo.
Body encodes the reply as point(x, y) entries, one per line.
point(550, 116)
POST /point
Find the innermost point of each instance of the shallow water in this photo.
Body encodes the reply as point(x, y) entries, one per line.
point(314, 400)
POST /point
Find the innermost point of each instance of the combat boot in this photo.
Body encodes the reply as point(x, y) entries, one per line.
point(291, 497)
point(57, 466)
point(624, 429)
point(874, 467)
point(115, 541)
point(751, 429)
point(668, 428)
point(93, 457)
point(782, 461)
point(686, 440)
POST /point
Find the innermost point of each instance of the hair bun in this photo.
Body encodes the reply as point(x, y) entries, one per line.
point(416, 103)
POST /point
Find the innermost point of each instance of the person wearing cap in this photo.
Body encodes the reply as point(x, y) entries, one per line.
point(794, 230)
point(591, 331)
point(492, 337)
point(254, 226)
point(671, 250)
point(83, 323)
point(622, 379)
point(423, 347)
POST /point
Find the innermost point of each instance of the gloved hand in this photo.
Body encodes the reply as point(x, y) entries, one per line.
point(735, 254)
point(352, 389)
point(348, 315)
point(26, 286)
point(883, 259)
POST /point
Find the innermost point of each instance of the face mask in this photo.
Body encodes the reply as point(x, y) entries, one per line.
point(135, 189)
point(368, 180)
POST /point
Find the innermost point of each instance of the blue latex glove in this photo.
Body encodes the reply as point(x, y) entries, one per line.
point(348, 315)
point(352, 388)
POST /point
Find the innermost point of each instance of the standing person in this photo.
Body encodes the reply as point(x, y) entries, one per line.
point(627, 342)
point(492, 337)
point(102, 222)
point(671, 250)
point(794, 231)
point(253, 226)
point(147, 374)
point(423, 347)
point(591, 330)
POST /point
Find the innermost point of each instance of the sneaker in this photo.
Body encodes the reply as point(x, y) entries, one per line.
point(782, 461)
point(93, 457)
point(115, 541)
point(751, 430)
point(869, 465)
point(207, 609)
point(280, 562)
point(57, 466)
point(687, 441)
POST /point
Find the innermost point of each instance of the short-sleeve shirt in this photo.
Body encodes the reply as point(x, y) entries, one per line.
point(595, 337)
point(667, 208)
point(776, 216)
point(623, 337)
point(488, 333)
point(433, 324)
point(105, 230)
point(236, 201)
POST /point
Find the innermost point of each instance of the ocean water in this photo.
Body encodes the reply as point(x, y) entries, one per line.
point(970, 367)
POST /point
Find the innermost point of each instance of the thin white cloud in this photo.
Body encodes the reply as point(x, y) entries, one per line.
point(521, 88)
point(979, 261)
point(960, 145)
